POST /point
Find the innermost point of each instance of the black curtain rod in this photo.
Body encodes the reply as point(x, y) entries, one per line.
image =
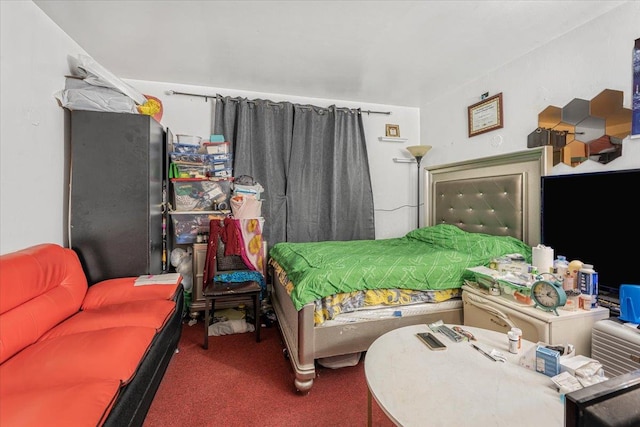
point(206, 99)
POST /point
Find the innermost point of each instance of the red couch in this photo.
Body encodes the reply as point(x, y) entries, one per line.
point(74, 355)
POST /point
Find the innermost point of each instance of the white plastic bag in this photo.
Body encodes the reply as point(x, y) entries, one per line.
point(96, 75)
point(95, 98)
point(246, 207)
point(229, 327)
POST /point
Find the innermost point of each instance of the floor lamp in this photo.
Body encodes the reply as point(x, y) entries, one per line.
point(418, 151)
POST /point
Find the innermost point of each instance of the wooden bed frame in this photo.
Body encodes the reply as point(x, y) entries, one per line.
point(497, 195)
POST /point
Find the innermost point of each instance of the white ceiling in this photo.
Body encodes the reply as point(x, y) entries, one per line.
point(386, 52)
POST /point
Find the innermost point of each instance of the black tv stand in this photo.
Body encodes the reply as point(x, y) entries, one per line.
point(609, 298)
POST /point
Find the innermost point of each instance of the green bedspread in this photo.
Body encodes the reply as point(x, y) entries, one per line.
point(426, 258)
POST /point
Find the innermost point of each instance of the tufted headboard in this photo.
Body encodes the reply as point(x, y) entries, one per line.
point(497, 195)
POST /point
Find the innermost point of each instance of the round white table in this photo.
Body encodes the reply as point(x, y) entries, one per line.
point(458, 386)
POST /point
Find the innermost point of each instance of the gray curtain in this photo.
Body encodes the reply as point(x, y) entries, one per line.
point(312, 163)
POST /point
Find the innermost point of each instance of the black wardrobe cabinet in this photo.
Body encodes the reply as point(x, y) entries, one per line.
point(116, 186)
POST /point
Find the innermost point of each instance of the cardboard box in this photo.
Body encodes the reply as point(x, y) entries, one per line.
point(547, 361)
point(528, 360)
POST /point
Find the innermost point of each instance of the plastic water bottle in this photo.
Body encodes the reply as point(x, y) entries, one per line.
point(560, 267)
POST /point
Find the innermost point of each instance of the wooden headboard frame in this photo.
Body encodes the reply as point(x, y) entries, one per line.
point(497, 195)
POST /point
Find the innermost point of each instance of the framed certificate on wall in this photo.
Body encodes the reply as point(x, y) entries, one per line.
point(485, 115)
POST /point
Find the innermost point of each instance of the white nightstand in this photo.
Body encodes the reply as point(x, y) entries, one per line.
point(500, 314)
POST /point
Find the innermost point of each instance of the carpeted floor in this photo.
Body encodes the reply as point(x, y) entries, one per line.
point(238, 382)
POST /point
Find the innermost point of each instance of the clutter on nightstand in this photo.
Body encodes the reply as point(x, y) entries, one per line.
point(567, 370)
point(566, 383)
point(552, 355)
point(578, 372)
point(515, 287)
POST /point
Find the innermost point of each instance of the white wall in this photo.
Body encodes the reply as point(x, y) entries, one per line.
point(32, 152)
point(581, 64)
point(34, 158)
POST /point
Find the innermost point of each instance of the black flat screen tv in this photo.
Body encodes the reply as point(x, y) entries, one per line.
point(592, 217)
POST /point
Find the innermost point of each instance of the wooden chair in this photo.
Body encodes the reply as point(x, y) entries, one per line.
point(229, 294)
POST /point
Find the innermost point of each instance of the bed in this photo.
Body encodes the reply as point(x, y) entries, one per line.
point(497, 196)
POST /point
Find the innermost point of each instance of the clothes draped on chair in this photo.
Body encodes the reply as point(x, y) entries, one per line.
point(312, 162)
point(234, 234)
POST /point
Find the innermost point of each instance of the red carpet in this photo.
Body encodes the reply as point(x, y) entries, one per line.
point(238, 382)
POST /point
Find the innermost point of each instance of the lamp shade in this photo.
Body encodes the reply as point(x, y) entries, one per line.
point(418, 151)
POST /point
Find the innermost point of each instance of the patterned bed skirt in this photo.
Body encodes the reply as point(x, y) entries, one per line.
point(328, 308)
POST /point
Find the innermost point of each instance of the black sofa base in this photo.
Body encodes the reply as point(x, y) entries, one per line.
point(134, 401)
